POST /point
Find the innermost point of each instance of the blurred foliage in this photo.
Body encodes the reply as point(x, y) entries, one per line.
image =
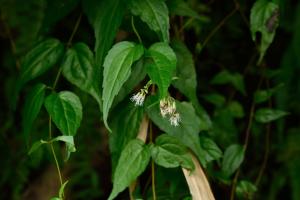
point(222, 80)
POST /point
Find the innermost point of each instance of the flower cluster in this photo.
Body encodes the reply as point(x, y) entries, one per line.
point(168, 108)
point(139, 97)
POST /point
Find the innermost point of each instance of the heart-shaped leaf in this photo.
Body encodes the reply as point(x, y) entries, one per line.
point(79, 68)
point(65, 110)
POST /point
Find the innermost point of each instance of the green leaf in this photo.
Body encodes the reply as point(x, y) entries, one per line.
point(42, 57)
point(65, 110)
point(117, 69)
point(133, 161)
point(215, 98)
point(125, 122)
point(236, 109)
point(36, 146)
point(264, 18)
point(79, 68)
point(56, 198)
point(245, 189)
point(233, 158)
point(181, 8)
point(105, 16)
point(265, 115)
point(155, 14)
point(169, 153)
point(33, 103)
point(186, 81)
point(212, 151)
point(261, 96)
point(188, 129)
point(163, 66)
point(61, 190)
point(137, 75)
point(235, 79)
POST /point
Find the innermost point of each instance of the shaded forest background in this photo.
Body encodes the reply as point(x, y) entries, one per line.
point(220, 39)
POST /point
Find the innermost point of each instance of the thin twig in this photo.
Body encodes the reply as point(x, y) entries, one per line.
point(54, 154)
point(246, 142)
point(74, 30)
point(215, 30)
point(135, 31)
point(267, 146)
point(12, 42)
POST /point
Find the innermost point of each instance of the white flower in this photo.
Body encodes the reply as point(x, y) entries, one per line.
point(167, 106)
point(163, 105)
point(174, 119)
point(138, 98)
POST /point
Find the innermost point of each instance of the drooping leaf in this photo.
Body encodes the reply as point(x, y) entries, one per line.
point(235, 79)
point(211, 150)
point(265, 115)
point(163, 66)
point(68, 139)
point(155, 14)
point(188, 129)
point(36, 146)
point(264, 18)
point(40, 59)
point(65, 110)
point(125, 122)
point(33, 103)
point(79, 68)
point(105, 16)
point(233, 158)
point(169, 152)
point(117, 69)
point(133, 161)
point(181, 8)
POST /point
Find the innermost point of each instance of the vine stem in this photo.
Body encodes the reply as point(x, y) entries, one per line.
point(135, 31)
point(74, 30)
point(53, 88)
point(267, 146)
point(212, 33)
point(248, 131)
point(54, 154)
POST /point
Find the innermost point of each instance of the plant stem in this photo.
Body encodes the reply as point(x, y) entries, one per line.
point(135, 31)
point(53, 152)
point(267, 146)
point(74, 30)
point(212, 33)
